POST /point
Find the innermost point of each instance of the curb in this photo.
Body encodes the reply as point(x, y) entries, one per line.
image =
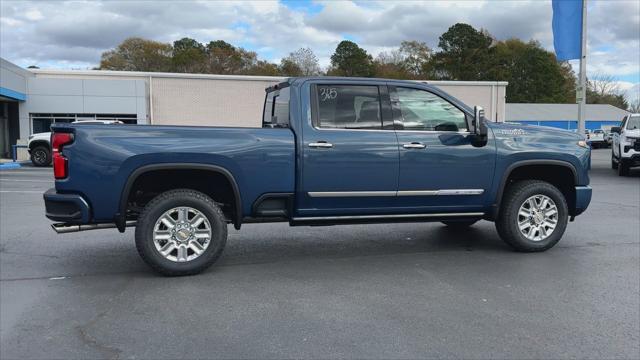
point(9, 166)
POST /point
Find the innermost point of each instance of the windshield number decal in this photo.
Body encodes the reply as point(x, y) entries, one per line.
point(328, 94)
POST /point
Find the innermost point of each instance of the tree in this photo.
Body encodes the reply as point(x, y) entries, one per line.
point(415, 57)
point(224, 58)
point(533, 73)
point(634, 106)
point(290, 68)
point(264, 68)
point(464, 54)
point(189, 56)
point(407, 62)
point(303, 60)
point(136, 54)
point(391, 65)
point(603, 89)
point(351, 60)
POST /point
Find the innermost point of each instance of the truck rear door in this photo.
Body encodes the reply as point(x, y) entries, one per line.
point(350, 151)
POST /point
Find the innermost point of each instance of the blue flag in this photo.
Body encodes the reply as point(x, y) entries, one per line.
point(567, 28)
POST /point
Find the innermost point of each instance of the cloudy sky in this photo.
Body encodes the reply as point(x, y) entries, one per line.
point(73, 34)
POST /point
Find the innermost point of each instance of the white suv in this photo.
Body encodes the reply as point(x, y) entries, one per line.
point(625, 147)
point(40, 148)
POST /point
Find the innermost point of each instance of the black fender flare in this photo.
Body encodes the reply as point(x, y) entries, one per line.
point(35, 143)
point(120, 217)
point(521, 163)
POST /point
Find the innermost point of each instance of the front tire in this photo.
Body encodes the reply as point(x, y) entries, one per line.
point(623, 168)
point(533, 216)
point(181, 232)
point(40, 156)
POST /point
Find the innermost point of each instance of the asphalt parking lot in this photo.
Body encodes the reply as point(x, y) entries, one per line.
point(366, 291)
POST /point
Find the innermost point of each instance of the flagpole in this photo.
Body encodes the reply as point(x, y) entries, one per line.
point(582, 89)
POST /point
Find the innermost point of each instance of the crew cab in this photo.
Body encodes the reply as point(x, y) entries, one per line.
point(625, 147)
point(330, 151)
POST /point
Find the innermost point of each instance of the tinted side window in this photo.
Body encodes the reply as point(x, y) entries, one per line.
point(348, 107)
point(422, 110)
point(276, 109)
point(623, 122)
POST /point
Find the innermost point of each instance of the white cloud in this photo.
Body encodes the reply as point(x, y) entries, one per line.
point(74, 34)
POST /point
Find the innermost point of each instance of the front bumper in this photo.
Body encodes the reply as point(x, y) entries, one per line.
point(67, 208)
point(583, 198)
point(633, 160)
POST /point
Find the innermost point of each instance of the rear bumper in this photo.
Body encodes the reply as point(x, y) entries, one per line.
point(583, 198)
point(67, 208)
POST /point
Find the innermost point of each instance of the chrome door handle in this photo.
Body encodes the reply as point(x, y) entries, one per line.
point(414, 145)
point(320, 144)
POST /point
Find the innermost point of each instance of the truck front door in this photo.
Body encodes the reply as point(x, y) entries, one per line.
point(440, 170)
point(350, 161)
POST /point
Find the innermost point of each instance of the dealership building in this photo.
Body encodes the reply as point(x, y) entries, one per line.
point(565, 116)
point(33, 99)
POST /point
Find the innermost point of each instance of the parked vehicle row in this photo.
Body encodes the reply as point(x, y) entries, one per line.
point(597, 139)
point(331, 151)
point(625, 148)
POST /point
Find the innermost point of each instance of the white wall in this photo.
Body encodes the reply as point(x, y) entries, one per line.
point(224, 100)
point(84, 96)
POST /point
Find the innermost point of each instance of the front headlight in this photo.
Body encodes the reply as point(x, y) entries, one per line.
point(625, 140)
point(583, 144)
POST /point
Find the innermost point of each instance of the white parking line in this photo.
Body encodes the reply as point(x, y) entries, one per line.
point(33, 172)
point(23, 191)
point(25, 180)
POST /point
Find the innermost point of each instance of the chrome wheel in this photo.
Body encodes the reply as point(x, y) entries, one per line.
point(182, 234)
point(40, 156)
point(537, 217)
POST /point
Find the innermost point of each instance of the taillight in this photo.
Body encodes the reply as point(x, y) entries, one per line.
point(60, 166)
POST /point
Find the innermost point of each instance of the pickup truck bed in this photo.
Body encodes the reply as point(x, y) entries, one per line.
point(109, 159)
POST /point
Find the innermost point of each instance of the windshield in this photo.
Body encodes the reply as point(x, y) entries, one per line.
point(633, 123)
point(598, 131)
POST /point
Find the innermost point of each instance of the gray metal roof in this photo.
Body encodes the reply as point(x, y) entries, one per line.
point(559, 112)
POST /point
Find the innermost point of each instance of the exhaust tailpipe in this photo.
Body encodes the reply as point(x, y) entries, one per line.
point(62, 228)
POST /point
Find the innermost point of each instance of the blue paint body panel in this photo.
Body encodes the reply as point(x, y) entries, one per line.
point(265, 160)
point(102, 157)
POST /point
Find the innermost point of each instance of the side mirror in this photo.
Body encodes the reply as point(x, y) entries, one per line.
point(615, 129)
point(479, 126)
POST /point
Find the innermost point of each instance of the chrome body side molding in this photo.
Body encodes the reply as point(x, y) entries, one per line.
point(443, 192)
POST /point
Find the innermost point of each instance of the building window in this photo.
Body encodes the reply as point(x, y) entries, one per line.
point(42, 122)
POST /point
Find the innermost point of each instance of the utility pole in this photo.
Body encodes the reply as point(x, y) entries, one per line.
point(581, 94)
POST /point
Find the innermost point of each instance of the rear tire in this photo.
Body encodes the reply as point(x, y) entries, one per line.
point(41, 156)
point(459, 224)
point(545, 219)
point(614, 163)
point(169, 227)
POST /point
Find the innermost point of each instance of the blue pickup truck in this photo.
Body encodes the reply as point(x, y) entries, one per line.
point(330, 151)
